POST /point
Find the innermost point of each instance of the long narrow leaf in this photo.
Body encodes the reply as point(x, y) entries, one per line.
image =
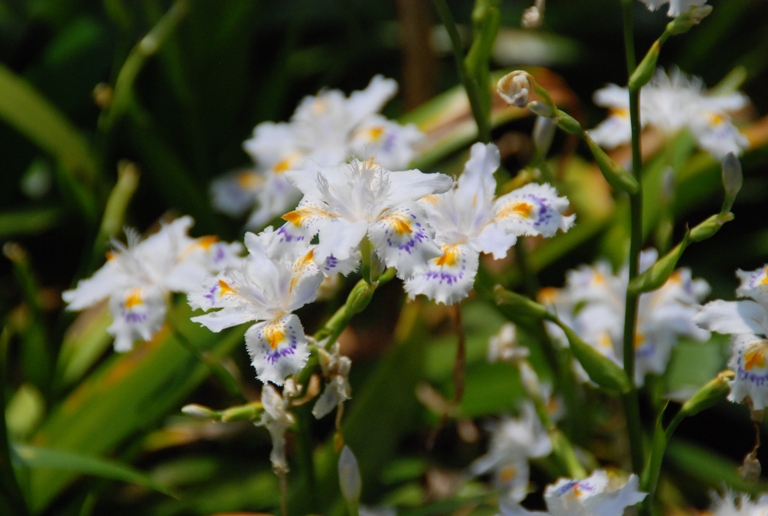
point(32, 457)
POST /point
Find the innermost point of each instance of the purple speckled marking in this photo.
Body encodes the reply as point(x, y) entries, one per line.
point(574, 484)
point(134, 317)
point(331, 262)
point(744, 375)
point(219, 254)
point(211, 295)
point(389, 142)
point(282, 350)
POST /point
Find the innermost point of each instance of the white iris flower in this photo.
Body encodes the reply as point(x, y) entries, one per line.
point(676, 7)
point(598, 494)
point(671, 103)
point(747, 321)
point(139, 277)
point(325, 130)
point(345, 203)
point(469, 220)
point(266, 289)
point(592, 303)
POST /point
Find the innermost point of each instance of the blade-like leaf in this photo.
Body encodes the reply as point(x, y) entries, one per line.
point(32, 457)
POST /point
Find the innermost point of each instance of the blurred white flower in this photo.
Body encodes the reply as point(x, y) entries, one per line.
point(592, 303)
point(676, 7)
point(747, 321)
point(468, 220)
point(600, 494)
point(671, 103)
point(732, 505)
point(139, 277)
point(335, 368)
point(513, 442)
point(325, 130)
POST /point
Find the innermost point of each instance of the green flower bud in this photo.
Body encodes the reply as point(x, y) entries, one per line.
point(616, 176)
point(709, 227)
point(247, 412)
point(543, 133)
point(358, 299)
point(518, 305)
point(568, 124)
point(659, 272)
point(710, 394)
point(601, 369)
point(199, 411)
point(647, 67)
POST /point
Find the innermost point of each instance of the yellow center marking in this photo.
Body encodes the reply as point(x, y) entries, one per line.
point(207, 241)
point(283, 165)
point(765, 278)
point(639, 340)
point(517, 208)
point(507, 474)
point(110, 255)
point(294, 217)
point(400, 224)
point(247, 180)
point(431, 199)
point(756, 355)
point(225, 289)
point(449, 257)
point(548, 295)
point(133, 298)
point(374, 133)
point(300, 265)
point(619, 112)
point(716, 118)
point(274, 335)
point(605, 341)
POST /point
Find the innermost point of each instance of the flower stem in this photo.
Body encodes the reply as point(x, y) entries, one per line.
point(631, 402)
point(470, 84)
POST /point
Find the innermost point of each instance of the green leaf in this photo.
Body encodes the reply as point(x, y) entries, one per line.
point(29, 222)
point(659, 272)
point(32, 115)
point(32, 457)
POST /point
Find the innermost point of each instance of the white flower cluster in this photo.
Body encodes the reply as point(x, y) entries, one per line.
point(747, 322)
point(469, 220)
point(324, 131)
point(676, 7)
point(138, 278)
point(592, 304)
point(671, 103)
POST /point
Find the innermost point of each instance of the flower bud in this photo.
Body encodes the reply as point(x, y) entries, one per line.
point(515, 88)
point(659, 272)
point(199, 411)
point(358, 299)
point(349, 476)
point(519, 305)
point(711, 393)
point(543, 133)
point(732, 180)
point(541, 109)
point(709, 227)
point(568, 124)
point(616, 176)
point(647, 67)
point(248, 412)
point(601, 369)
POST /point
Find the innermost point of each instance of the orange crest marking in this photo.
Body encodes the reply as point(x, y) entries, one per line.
point(225, 289)
point(133, 298)
point(449, 257)
point(755, 356)
point(294, 217)
point(400, 224)
point(274, 335)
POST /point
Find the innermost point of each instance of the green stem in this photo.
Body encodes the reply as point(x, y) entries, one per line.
point(652, 472)
point(470, 84)
point(303, 436)
point(631, 401)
